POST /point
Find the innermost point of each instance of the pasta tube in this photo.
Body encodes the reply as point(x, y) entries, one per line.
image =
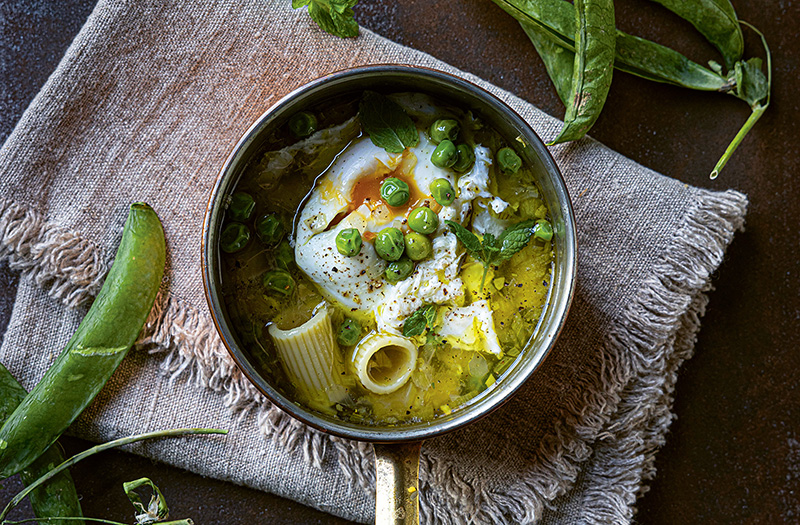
point(309, 355)
point(384, 362)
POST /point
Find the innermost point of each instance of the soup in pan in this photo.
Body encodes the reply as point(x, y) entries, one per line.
point(386, 258)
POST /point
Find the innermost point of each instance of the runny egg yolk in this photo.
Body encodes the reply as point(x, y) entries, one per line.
point(367, 191)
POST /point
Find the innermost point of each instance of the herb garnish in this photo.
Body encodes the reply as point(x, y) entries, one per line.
point(386, 123)
point(421, 319)
point(494, 250)
point(333, 16)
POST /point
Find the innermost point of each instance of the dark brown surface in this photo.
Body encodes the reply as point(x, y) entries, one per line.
point(733, 454)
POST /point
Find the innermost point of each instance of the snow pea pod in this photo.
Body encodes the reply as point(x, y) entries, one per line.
point(634, 55)
point(593, 67)
point(558, 61)
point(58, 497)
point(95, 350)
point(714, 19)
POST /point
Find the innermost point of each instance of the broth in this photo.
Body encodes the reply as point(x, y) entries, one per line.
point(327, 328)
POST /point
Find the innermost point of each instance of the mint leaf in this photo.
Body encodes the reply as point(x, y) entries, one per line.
point(333, 16)
point(467, 238)
point(386, 123)
point(515, 238)
point(416, 323)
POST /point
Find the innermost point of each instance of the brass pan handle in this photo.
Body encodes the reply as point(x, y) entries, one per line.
point(397, 483)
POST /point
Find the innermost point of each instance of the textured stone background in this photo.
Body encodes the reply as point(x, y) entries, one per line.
point(733, 454)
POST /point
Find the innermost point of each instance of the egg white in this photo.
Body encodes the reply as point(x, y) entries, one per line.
point(358, 282)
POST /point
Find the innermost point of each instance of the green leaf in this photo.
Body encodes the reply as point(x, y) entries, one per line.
point(595, 39)
point(515, 238)
point(416, 323)
point(155, 511)
point(752, 88)
point(468, 239)
point(386, 123)
point(429, 313)
point(333, 16)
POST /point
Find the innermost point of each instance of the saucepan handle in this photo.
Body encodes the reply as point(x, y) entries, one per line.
point(397, 483)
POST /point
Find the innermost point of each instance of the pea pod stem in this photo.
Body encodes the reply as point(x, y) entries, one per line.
point(757, 110)
point(100, 448)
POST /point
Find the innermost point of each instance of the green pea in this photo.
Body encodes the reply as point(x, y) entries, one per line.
point(302, 124)
point(442, 192)
point(278, 282)
point(241, 206)
point(348, 242)
point(417, 246)
point(389, 244)
point(465, 160)
point(508, 160)
point(444, 129)
point(423, 220)
point(395, 192)
point(234, 237)
point(284, 255)
point(445, 154)
point(400, 269)
point(269, 229)
point(349, 332)
point(543, 231)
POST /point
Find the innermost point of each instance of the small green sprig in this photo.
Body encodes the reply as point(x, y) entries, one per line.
point(491, 250)
point(333, 16)
point(157, 503)
point(421, 319)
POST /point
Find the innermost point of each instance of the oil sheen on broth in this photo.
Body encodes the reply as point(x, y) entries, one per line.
point(309, 280)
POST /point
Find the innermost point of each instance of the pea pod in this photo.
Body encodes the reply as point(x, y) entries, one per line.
point(95, 350)
point(58, 496)
point(714, 19)
point(634, 55)
point(558, 61)
point(592, 69)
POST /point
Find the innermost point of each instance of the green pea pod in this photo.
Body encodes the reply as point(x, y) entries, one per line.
point(592, 69)
point(558, 61)
point(714, 19)
point(58, 497)
point(95, 350)
point(634, 55)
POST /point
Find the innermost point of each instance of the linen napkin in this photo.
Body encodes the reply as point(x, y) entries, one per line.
point(146, 105)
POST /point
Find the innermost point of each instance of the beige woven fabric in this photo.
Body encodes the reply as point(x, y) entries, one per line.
point(146, 105)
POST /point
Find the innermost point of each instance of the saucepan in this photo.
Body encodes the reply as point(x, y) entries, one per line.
point(397, 447)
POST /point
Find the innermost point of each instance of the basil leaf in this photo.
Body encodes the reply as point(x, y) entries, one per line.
point(332, 16)
point(595, 39)
point(468, 239)
point(515, 238)
point(386, 123)
point(416, 323)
